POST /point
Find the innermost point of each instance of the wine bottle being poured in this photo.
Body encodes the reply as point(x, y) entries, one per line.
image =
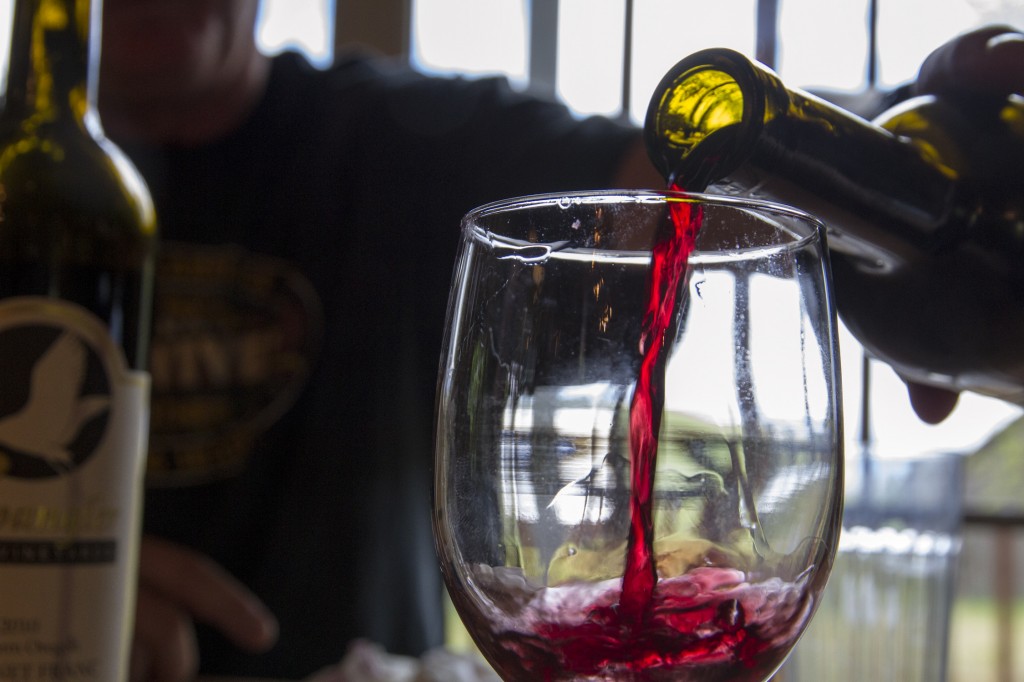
point(925, 206)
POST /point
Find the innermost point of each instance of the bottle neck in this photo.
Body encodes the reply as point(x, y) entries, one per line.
point(719, 118)
point(53, 62)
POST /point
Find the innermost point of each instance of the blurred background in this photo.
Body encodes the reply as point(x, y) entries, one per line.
point(606, 57)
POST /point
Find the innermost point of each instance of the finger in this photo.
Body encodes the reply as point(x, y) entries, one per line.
point(986, 60)
point(931, 404)
point(203, 589)
point(164, 648)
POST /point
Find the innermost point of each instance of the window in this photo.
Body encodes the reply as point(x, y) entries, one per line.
point(472, 38)
point(304, 25)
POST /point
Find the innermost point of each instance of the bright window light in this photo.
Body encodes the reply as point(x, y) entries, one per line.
point(306, 26)
point(590, 48)
point(6, 19)
point(474, 38)
point(904, 40)
point(823, 45)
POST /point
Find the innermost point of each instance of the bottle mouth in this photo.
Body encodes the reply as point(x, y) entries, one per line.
point(704, 118)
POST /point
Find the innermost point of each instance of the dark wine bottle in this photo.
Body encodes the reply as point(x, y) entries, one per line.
point(77, 244)
point(925, 206)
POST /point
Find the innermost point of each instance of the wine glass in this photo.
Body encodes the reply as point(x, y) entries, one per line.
point(638, 464)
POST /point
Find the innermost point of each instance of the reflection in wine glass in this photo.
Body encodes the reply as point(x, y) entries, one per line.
point(638, 448)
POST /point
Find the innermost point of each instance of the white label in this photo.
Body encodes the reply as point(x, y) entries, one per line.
point(73, 427)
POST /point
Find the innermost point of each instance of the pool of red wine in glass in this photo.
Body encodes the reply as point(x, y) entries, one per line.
point(707, 625)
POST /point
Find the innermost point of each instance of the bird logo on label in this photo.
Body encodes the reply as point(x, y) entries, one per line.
point(55, 404)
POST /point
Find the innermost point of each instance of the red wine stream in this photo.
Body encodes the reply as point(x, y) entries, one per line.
point(709, 624)
point(669, 258)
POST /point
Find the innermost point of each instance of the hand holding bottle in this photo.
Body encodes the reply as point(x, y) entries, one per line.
point(989, 60)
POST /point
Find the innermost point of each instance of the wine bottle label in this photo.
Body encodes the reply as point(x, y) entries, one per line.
point(73, 424)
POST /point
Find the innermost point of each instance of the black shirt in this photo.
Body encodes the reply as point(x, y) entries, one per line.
point(300, 303)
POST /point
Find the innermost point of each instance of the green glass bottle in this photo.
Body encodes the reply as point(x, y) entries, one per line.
point(77, 245)
point(925, 206)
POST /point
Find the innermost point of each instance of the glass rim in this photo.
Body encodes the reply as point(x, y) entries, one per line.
point(817, 229)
